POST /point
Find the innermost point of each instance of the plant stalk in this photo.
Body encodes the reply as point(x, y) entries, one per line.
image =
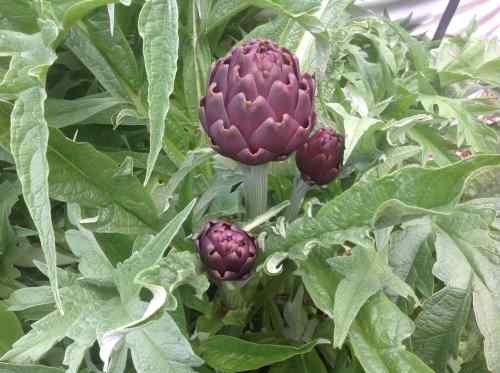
point(255, 180)
point(300, 188)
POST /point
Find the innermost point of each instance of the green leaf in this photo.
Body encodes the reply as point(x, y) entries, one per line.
point(94, 264)
point(32, 55)
point(377, 335)
point(29, 139)
point(465, 248)
point(18, 16)
point(487, 312)
point(158, 27)
point(357, 205)
point(237, 355)
point(14, 368)
point(307, 363)
point(442, 151)
point(87, 311)
point(366, 272)
point(124, 205)
point(422, 270)
point(355, 129)
point(393, 212)
point(28, 297)
point(9, 192)
point(11, 329)
point(149, 255)
point(439, 326)
point(478, 59)
point(63, 113)
point(80, 43)
point(479, 135)
point(161, 347)
point(115, 47)
point(176, 269)
point(193, 159)
point(319, 280)
point(405, 245)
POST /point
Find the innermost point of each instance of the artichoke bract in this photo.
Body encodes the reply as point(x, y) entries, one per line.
point(227, 250)
point(320, 158)
point(259, 107)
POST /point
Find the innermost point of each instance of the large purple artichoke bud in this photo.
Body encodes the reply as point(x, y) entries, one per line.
point(227, 250)
point(320, 159)
point(258, 107)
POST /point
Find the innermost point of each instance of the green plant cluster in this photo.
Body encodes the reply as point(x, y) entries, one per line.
point(106, 178)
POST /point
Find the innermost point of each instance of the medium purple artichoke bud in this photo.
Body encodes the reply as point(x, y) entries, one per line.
point(227, 250)
point(320, 159)
point(258, 107)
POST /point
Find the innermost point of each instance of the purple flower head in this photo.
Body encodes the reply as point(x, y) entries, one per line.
point(259, 107)
point(320, 159)
point(227, 250)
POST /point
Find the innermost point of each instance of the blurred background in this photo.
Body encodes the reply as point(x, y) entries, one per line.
point(426, 14)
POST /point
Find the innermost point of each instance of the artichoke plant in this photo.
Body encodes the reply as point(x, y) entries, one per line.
point(258, 107)
point(227, 250)
point(320, 159)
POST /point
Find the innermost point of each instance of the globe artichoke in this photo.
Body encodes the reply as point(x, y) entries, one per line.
point(320, 158)
point(258, 107)
point(227, 250)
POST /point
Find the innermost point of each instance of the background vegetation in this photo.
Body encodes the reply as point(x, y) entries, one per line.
point(106, 176)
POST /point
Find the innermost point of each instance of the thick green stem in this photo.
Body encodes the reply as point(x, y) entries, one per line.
point(255, 189)
point(300, 188)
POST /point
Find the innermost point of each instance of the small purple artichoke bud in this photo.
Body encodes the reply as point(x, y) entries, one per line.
point(320, 159)
point(227, 250)
point(258, 107)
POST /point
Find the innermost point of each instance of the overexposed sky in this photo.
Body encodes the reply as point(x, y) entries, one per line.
point(427, 13)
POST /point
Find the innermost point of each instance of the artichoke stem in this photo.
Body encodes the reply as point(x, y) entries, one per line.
point(300, 188)
point(255, 179)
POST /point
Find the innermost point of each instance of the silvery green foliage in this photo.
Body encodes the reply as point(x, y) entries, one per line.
point(106, 179)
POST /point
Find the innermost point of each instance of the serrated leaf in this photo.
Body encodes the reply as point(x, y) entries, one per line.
point(161, 280)
point(86, 312)
point(477, 59)
point(356, 207)
point(355, 129)
point(176, 269)
point(237, 355)
point(366, 272)
point(158, 27)
point(376, 338)
point(434, 144)
point(149, 255)
point(439, 326)
point(479, 135)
